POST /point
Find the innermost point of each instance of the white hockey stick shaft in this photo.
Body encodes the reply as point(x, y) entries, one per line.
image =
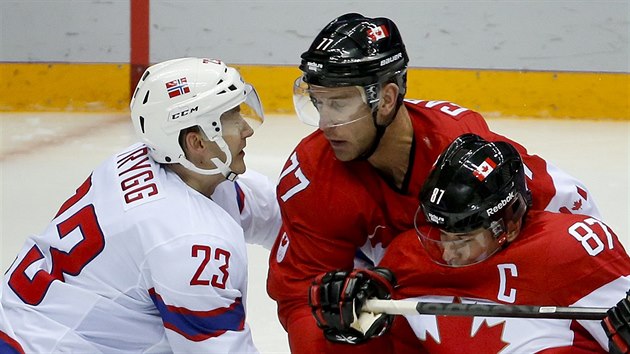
point(406, 307)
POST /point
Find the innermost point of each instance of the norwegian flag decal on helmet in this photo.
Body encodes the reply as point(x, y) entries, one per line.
point(214, 61)
point(377, 33)
point(177, 87)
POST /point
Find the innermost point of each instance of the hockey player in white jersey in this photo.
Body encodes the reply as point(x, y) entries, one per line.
point(149, 255)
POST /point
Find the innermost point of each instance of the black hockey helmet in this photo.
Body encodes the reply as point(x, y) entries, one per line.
point(354, 50)
point(474, 191)
point(475, 184)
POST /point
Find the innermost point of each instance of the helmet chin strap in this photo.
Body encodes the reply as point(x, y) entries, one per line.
point(224, 167)
point(221, 167)
point(380, 131)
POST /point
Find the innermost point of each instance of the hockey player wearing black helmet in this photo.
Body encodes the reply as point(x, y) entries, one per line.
point(476, 197)
point(355, 73)
point(476, 242)
point(352, 185)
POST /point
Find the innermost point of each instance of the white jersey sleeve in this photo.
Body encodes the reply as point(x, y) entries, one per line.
point(8, 343)
point(572, 196)
point(251, 200)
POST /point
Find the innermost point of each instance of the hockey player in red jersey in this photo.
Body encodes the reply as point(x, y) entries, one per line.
point(477, 241)
point(354, 183)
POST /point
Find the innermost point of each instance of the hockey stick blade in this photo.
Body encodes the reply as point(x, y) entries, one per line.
point(405, 307)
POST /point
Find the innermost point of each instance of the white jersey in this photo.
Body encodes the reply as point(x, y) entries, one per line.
point(8, 344)
point(251, 201)
point(135, 261)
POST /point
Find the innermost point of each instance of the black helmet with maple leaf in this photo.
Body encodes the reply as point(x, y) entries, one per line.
point(354, 50)
point(475, 184)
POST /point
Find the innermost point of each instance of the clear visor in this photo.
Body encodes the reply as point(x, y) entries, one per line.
point(249, 112)
point(326, 107)
point(457, 249)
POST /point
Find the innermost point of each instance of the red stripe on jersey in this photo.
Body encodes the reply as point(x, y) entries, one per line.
point(9, 345)
point(200, 325)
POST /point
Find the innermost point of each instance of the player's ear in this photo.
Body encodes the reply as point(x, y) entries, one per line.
point(389, 95)
point(192, 141)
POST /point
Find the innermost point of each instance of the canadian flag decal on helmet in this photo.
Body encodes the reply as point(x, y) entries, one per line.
point(377, 33)
point(483, 170)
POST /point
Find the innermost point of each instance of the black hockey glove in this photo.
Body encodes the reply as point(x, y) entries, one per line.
point(336, 299)
point(617, 326)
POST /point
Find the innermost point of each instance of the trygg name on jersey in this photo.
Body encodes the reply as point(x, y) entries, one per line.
point(137, 179)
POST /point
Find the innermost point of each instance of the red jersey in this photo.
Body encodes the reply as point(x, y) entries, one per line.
point(556, 260)
point(331, 208)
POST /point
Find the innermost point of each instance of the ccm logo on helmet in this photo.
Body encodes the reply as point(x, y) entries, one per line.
point(184, 112)
point(391, 59)
point(501, 204)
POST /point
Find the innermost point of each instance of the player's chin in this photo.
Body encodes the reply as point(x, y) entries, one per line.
point(344, 153)
point(238, 165)
point(458, 263)
point(346, 157)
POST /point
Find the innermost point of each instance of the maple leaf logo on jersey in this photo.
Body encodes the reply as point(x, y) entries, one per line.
point(456, 333)
point(577, 205)
point(483, 170)
point(283, 247)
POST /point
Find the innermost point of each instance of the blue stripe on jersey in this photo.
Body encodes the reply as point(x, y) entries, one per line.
point(240, 197)
point(200, 325)
point(9, 345)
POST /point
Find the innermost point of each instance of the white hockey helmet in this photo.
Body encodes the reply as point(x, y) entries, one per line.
point(187, 92)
